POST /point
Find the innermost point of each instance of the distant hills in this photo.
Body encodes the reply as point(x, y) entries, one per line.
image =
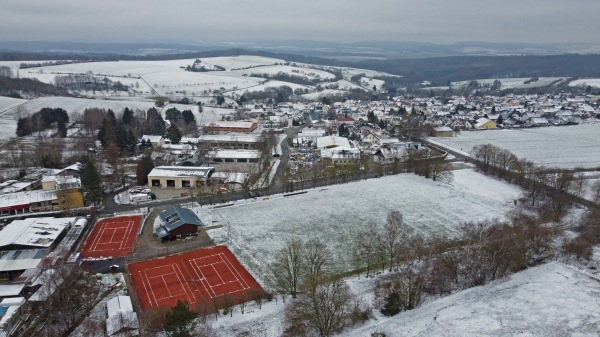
point(414, 61)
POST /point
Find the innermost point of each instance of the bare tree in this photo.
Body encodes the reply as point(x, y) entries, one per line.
point(287, 268)
point(326, 310)
point(367, 243)
point(395, 235)
point(317, 262)
point(441, 170)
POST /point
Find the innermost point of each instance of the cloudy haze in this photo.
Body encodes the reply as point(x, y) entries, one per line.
point(439, 21)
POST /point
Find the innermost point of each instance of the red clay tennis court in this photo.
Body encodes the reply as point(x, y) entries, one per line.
point(202, 276)
point(112, 237)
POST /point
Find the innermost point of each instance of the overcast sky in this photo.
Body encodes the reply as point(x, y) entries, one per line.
point(439, 21)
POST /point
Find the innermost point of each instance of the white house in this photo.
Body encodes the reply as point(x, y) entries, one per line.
point(122, 321)
point(331, 142)
point(388, 154)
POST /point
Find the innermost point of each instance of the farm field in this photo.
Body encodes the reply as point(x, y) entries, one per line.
point(512, 83)
point(7, 103)
point(259, 228)
point(560, 146)
point(594, 82)
point(78, 105)
point(146, 78)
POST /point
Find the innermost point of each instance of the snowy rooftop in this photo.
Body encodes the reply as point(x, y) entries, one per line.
point(230, 124)
point(306, 132)
point(117, 304)
point(181, 171)
point(9, 307)
point(26, 198)
point(232, 137)
point(20, 259)
point(151, 138)
point(11, 290)
point(236, 154)
point(34, 232)
point(332, 141)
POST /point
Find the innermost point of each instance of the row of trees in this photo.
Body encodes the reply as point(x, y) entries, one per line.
point(483, 251)
point(553, 190)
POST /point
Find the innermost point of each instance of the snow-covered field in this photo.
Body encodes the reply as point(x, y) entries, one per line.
point(594, 82)
point(512, 83)
point(78, 105)
point(147, 78)
point(562, 146)
point(259, 228)
point(545, 301)
point(549, 300)
point(7, 103)
point(195, 84)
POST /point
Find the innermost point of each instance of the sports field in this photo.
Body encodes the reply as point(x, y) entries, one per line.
point(112, 237)
point(211, 276)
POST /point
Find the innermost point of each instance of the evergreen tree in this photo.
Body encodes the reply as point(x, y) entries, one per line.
point(188, 117)
point(220, 100)
point(178, 320)
point(173, 134)
point(173, 115)
point(500, 120)
point(127, 117)
point(61, 127)
point(23, 127)
point(155, 125)
point(382, 124)
point(144, 167)
point(343, 131)
point(140, 174)
point(91, 181)
point(392, 305)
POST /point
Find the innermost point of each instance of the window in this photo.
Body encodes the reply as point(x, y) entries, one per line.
point(155, 182)
point(170, 183)
point(185, 183)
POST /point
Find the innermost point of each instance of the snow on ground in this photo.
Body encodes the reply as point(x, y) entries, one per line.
point(288, 70)
point(512, 83)
point(195, 84)
point(269, 84)
point(95, 323)
point(349, 72)
point(347, 85)
point(319, 94)
point(257, 228)
point(562, 146)
point(7, 103)
point(370, 82)
point(9, 122)
point(549, 300)
point(243, 61)
point(211, 115)
point(78, 105)
point(594, 82)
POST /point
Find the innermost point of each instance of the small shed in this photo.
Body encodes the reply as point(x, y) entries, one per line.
point(122, 320)
point(443, 131)
point(177, 222)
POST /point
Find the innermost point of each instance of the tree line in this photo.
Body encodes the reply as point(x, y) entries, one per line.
point(552, 192)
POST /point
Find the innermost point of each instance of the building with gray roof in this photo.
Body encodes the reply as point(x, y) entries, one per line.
point(177, 222)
